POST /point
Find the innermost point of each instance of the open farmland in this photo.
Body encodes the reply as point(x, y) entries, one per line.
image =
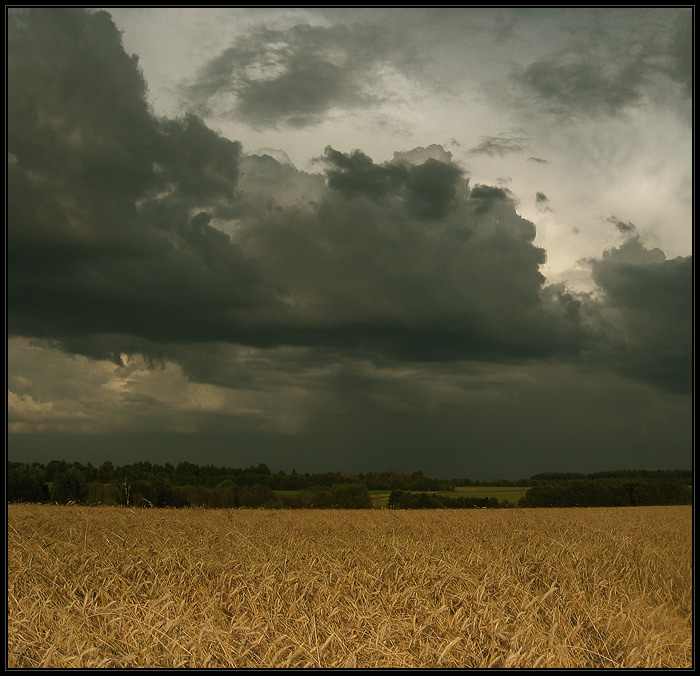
point(120, 587)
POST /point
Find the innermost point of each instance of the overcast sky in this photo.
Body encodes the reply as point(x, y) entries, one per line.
point(456, 240)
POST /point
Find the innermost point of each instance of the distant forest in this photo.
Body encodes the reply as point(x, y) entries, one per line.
point(143, 484)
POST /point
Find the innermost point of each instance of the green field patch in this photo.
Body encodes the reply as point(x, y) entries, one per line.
point(380, 498)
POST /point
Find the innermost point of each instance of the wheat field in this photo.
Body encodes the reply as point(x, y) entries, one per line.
point(120, 587)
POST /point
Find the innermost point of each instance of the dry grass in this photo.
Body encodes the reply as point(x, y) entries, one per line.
point(119, 587)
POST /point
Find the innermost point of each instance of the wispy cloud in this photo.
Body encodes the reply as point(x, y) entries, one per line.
point(605, 72)
point(501, 144)
point(294, 77)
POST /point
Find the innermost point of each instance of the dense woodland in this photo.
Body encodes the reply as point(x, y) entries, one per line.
point(144, 484)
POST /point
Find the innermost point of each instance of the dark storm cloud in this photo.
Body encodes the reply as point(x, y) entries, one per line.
point(196, 164)
point(131, 234)
point(138, 259)
point(293, 77)
point(645, 316)
point(384, 266)
point(356, 173)
point(107, 228)
point(615, 59)
point(77, 125)
point(428, 188)
point(485, 196)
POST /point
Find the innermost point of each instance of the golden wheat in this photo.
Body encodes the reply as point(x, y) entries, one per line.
point(119, 587)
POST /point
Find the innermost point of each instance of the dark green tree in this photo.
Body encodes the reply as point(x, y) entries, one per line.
point(54, 468)
point(105, 472)
point(350, 496)
point(70, 486)
point(26, 483)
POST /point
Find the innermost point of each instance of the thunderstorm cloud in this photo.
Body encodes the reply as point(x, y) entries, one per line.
point(126, 230)
point(159, 247)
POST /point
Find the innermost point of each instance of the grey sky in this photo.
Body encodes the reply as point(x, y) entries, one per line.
point(457, 304)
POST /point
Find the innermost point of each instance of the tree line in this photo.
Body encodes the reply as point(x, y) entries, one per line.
point(143, 484)
point(611, 491)
point(408, 500)
point(187, 484)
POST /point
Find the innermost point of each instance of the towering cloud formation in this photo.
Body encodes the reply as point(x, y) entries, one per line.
point(646, 314)
point(129, 233)
point(109, 208)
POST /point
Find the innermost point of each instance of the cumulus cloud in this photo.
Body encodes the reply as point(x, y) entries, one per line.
point(277, 155)
point(428, 188)
point(407, 258)
point(25, 414)
point(109, 209)
point(421, 155)
point(645, 314)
